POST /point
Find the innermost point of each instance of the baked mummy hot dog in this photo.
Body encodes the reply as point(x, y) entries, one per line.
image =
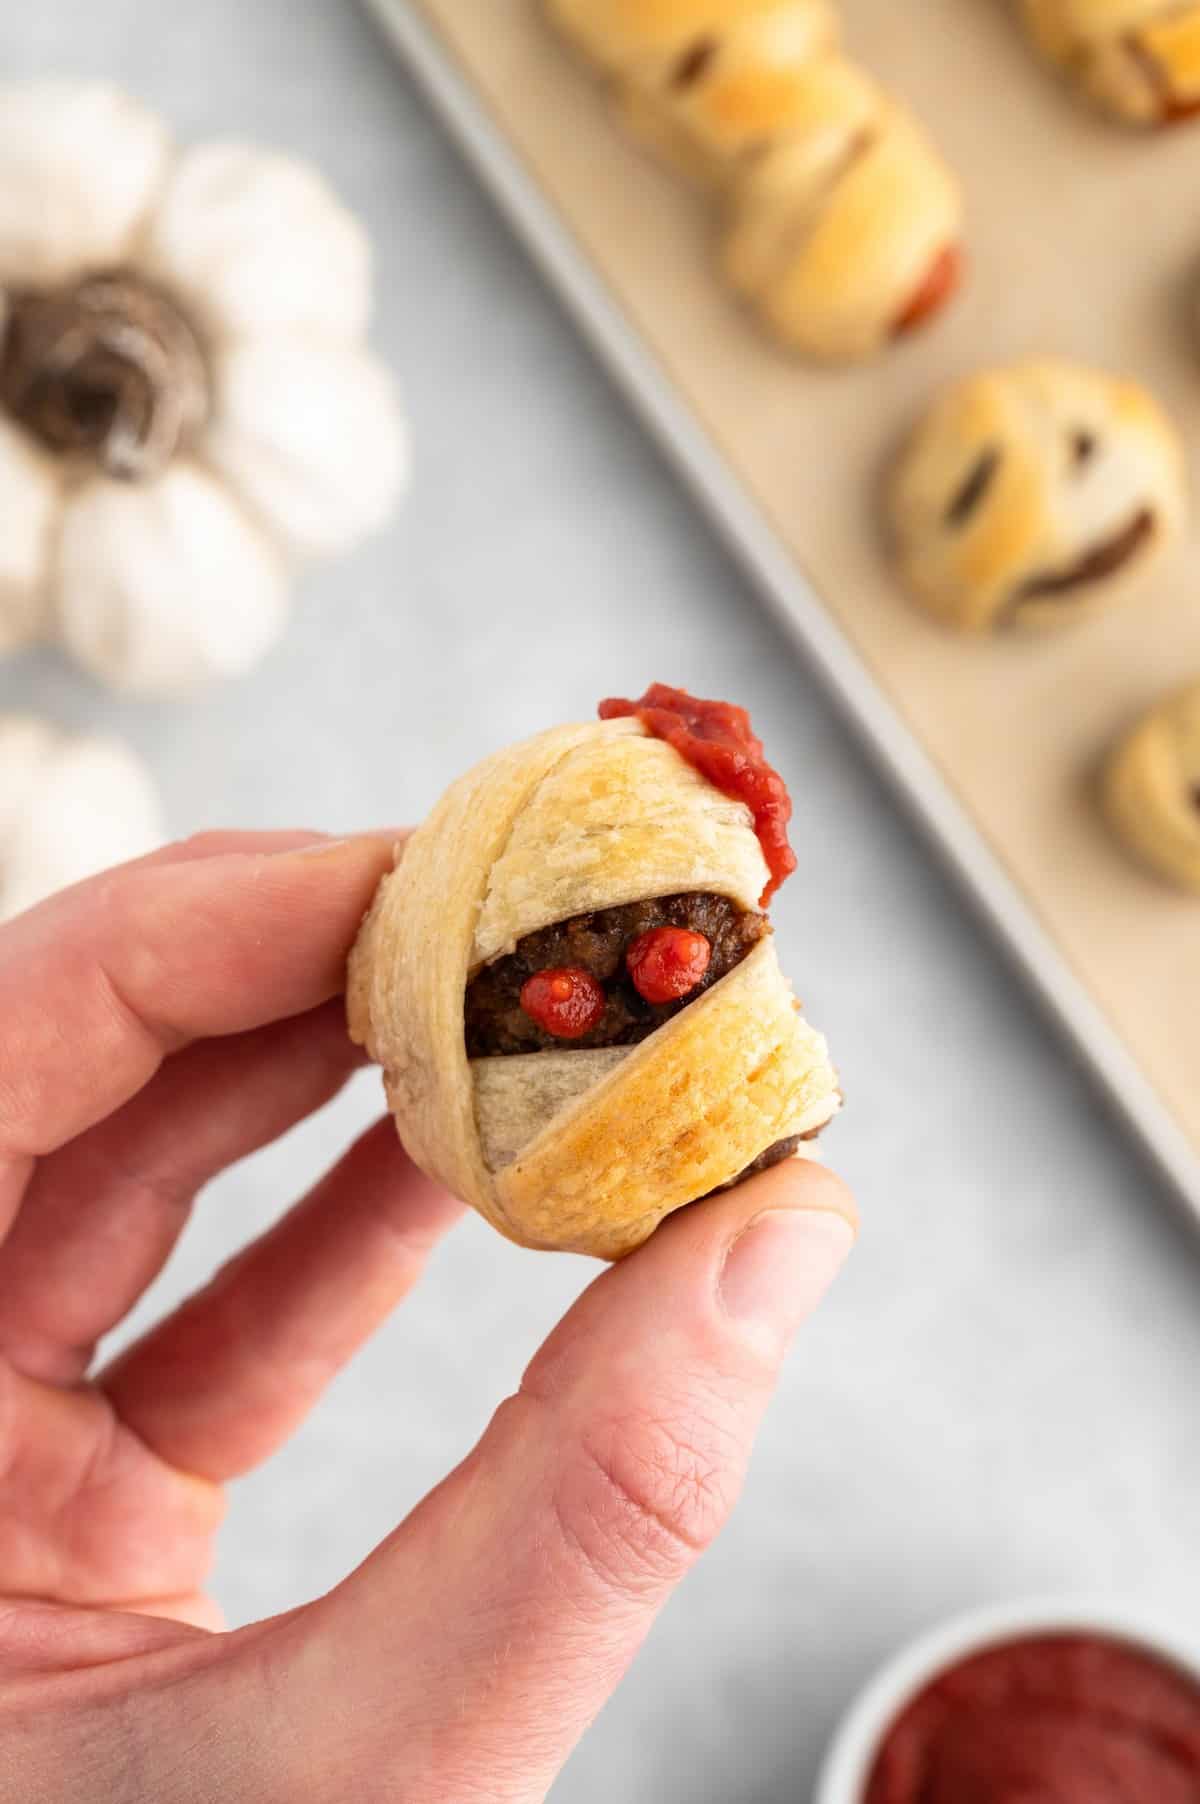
point(1032, 493)
point(1151, 789)
point(700, 80)
point(844, 222)
point(658, 1054)
point(1139, 59)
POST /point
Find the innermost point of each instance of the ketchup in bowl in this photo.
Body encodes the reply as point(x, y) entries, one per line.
point(1048, 1719)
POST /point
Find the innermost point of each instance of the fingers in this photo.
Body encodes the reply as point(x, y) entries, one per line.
point(88, 1513)
point(99, 983)
point(221, 1383)
point(476, 1644)
point(38, 1638)
point(101, 1215)
point(220, 842)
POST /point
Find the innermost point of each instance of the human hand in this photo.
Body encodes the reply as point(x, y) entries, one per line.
point(160, 1022)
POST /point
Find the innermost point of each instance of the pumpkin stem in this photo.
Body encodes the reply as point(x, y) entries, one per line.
point(109, 368)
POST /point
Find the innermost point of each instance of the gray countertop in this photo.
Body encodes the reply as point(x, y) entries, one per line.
point(999, 1396)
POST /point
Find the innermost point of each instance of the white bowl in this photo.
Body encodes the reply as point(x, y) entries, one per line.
point(861, 1732)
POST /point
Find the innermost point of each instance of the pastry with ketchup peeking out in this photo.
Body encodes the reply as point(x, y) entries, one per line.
point(1138, 59)
point(571, 982)
point(843, 220)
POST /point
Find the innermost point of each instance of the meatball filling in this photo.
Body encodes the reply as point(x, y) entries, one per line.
point(496, 1024)
point(773, 1155)
point(1102, 561)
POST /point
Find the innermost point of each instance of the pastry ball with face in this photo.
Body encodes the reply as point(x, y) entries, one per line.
point(730, 94)
point(1138, 59)
point(1152, 789)
point(667, 46)
point(1031, 494)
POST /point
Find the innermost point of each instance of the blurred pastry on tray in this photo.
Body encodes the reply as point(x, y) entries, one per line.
point(1030, 495)
point(844, 223)
point(1151, 789)
point(1138, 59)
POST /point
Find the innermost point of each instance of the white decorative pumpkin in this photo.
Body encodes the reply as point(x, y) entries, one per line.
point(69, 806)
point(186, 400)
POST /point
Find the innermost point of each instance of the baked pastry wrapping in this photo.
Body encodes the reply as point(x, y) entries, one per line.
point(583, 1144)
point(1151, 789)
point(1138, 59)
point(843, 220)
point(845, 223)
point(1032, 493)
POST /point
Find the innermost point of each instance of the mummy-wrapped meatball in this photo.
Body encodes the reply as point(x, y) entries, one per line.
point(845, 224)
point(1031, 494)
point(700, 80)
point(1138, 59)
point(1151, 789)
point(572, 987)
point(843, 221)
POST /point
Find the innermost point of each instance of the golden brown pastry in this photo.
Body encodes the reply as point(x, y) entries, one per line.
point(574, 993)
point(702, 81)
point(1033, 493)
point(844, 226)
point(667, 45)
point(1138, 59)
point(843, 220)
point(1152, 789)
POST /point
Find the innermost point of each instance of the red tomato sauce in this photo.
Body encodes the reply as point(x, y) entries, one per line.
point(717, 739)
point(941, 280)
point(1055, 1719)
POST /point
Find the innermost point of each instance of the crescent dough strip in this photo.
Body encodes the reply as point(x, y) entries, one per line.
point(619, 817)
point(841, 212)
point(1139, 59)
point(683, 1113)
point(836, 229)
point(580, 1149)
point(643, 43)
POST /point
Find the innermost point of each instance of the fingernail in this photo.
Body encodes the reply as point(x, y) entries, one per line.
point(392, 838)
point(319, 849)
point(781, 1265)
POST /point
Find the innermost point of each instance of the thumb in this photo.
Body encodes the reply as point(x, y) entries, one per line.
point(470, 1651)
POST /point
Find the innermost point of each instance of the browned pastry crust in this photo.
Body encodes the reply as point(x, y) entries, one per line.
point(580, 1148)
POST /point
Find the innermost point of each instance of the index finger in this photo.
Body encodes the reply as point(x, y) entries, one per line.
point(100, 983)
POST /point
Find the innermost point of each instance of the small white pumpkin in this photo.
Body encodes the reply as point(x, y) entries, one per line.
point(69, 806)
point(186, 400)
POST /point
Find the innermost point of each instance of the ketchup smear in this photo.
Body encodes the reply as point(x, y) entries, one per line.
point(1053, 1719)
point(716, 738)
point(941, 279)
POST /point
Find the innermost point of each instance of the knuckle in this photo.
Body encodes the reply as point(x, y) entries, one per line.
point(641, 1498)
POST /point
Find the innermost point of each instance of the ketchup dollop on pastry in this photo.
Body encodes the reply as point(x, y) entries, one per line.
point(571, 982)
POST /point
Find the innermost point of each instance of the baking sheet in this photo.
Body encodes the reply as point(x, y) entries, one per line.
point(1081, 243)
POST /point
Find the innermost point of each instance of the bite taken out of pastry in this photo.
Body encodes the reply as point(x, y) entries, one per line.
point(1151, 789)
point(571, 982)
point(1138, 59)
point(1030, 495)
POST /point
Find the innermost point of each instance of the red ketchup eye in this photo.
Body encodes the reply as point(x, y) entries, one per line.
point(667, 962)
point(566, 1002)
